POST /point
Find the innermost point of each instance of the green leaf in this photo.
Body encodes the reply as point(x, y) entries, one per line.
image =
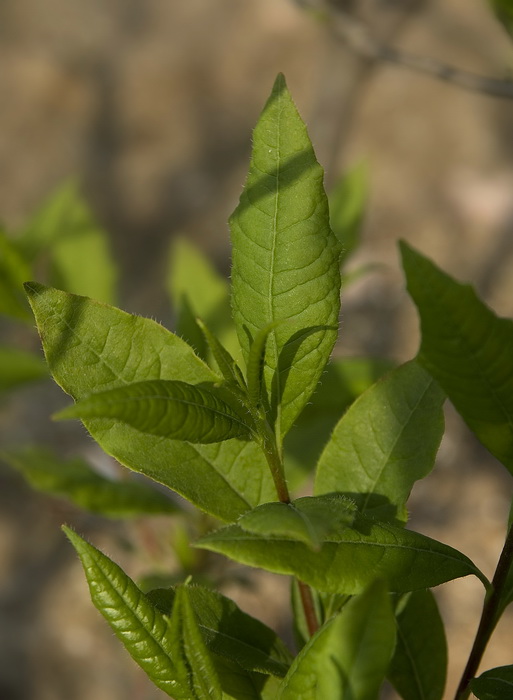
point(90, 345)
point(256, 359)
point(285, 259)
point(350, 557)
point(419, 665)
point(495, 684)
point(66, 228)
point(308, 520)
point(229, 632)
point(194, 667)
point(386, 440)
point(74, 479)
point(468, 349)
point(342, 382)
point(504, 12)
point(225, 362)
point(170, 409)
point(347, 202)
point(19, 367)
point(142, 629)
point(348, 657)
point(14, 271)
point(198, 290)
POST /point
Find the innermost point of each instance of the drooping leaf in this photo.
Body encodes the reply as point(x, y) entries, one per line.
point(198, 290)
point(67, 231)
point(468, 349)
point(342, 382)
point(419, 666)
point(74, 479)
point(308, 520)
point(19, 367)
point(350, 558)
point(285, 259)
point(14, 271)
point(171, 409)
point(347, 207)
point(348, 657)
point(90, 346)
point(229, 632)
point(386, 440)
point(495, 684)
point(194, 666)
point(142, 629)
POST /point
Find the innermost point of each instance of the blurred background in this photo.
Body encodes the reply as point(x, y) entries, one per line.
point(150, 105)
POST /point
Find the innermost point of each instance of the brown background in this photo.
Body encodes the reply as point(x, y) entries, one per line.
point(151, 104)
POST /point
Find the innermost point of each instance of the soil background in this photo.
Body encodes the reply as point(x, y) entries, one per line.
point(151, 105)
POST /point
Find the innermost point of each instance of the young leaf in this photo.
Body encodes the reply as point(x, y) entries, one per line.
point(80, 258)
point(468, 349)
point(19, 367)
point(285, 259)
point(198, 290)
point(349, 558)
point(495, 684)
point(256, 359)
point(194, 667)
point(90, 345)
point(74, 479)
point(229, 632)
point(307, 520)
point(348, 657)
point(142, 629)
point(14, 271)
point(170, 409)
point(347, 206)
point(225, 362)
point(419, 665)
point(386, 440)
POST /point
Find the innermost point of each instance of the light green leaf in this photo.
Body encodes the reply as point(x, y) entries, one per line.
point(347, 207)
point(66, 229)
point(14, 271)
point(419, 665)
point(386, 440)
point(229, 632)
point(350, 558)
point(90, 345)
point(170, 409)
point(285, 259)
point(74, 479)
point(195, 669)
point(468, 349)
point(348, 657)
point(19, 367)
point(142, 629)
point(342, 382)
point(308, 520)
point(198, 290)
point(495, 684)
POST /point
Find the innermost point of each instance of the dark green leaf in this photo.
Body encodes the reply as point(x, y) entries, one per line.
point(347, 207)
point(504, 11)
point(19, 367)
point(90, 346)
point(349, 558)
point(419, 665)
point(468, 349)
point(386, 440)
point(348, 657)
point(74, 479)
point(170, 409)
point(230, 633)
point(225, 362)
point(285, 259)
point(14, 271)
point(194, 666)
point(495, 684)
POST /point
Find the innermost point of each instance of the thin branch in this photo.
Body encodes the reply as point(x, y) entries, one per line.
point(357, 36)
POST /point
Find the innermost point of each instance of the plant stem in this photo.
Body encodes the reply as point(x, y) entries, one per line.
point(308, 607)
point(489, 617)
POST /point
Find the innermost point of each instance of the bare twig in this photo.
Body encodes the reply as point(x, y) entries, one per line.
point(357, 36)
